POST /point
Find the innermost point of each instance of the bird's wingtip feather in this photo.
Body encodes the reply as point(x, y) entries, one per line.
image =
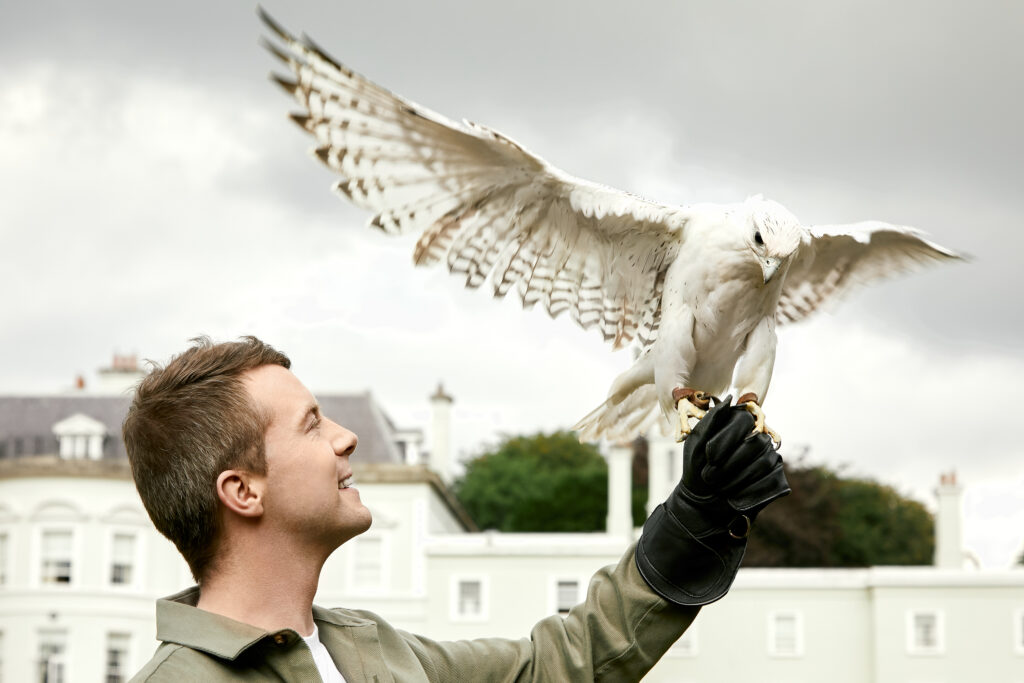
point(272, 24)
point(326, 56)
point(286, 83)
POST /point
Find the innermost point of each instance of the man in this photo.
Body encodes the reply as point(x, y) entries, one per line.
point(236, 465)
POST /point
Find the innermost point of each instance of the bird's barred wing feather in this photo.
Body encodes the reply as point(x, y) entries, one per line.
point(837, 257)
point(487, 208)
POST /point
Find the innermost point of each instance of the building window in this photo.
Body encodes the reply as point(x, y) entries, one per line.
point(52, 654)
point(40, 445)
point(56, 555)
point(122, 563)
point(3, 559)
point(19, 446)
point(925, 634)
point(686, 646)
point(368, 563)
point(785, 634)
point(567, 595)
point(117, 657)
point(1018, 631)
point(469, 599)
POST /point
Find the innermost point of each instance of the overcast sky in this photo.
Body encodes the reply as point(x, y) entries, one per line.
point(152, 189)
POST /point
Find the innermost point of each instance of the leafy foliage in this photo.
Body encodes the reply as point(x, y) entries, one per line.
point(552, 482)
point(543, 482)
point(831, 521)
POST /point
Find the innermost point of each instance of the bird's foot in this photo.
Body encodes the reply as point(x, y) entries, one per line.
point(750, 402)
point(689, 403)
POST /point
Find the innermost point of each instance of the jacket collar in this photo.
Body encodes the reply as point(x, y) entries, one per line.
point(179, 621)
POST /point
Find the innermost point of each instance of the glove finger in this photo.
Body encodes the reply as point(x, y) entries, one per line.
point(726, 467)
point(757, 494)
point(712, 421)
point(750, 470)
point(732, 432)
point(694, 457)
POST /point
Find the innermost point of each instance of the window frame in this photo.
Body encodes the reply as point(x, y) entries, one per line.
point(137, 556)
point(57, 634)
point(125, 664)
point(74, 578)
point(553, 593)
point(916, 650)
point(384, 578)
point(772, 647)
point(1018, 631)
point(691, 639)
point(454, 593)
point(5, 556)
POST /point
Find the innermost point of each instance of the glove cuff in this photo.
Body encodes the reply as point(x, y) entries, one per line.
point(689, 566)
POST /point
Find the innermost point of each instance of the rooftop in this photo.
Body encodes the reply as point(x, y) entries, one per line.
point(26, 423)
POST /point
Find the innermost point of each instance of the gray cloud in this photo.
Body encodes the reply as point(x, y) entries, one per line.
point(154, 189)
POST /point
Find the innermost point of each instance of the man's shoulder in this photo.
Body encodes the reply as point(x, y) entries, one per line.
point(386, 633)
point(344, 616)
point(153, 670)
point(173, 662)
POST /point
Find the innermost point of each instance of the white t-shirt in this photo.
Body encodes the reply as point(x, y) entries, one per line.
point(324, 664)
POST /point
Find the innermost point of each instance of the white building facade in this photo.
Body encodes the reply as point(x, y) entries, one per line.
point(81, 567)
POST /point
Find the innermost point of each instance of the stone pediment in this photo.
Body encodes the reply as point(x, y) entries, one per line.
point(79, 424)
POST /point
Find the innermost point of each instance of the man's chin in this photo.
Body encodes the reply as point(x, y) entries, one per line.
point(354, 527)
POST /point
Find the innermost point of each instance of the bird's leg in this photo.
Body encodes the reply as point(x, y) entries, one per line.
point(689, 403)
point(753, 406)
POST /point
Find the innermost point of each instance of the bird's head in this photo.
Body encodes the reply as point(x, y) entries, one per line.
point(773, 235)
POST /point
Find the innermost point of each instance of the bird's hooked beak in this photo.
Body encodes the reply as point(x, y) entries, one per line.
point(769, 266)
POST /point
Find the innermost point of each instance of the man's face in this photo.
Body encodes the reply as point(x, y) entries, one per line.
point(307, 463)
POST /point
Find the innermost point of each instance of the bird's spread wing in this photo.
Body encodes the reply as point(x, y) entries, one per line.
point(485, 206)
point(836, 257)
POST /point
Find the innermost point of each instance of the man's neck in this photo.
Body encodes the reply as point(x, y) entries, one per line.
point(271, 588)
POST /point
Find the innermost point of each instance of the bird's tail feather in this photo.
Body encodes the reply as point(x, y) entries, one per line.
point(621, 417)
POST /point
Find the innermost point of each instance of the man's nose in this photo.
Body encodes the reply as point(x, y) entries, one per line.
point(343, 441)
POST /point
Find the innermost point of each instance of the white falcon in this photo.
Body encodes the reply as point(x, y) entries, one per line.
point(700, 287)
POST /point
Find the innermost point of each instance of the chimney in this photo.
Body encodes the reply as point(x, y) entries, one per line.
point(949, 550)
point(122, 376)
point(440, 448)
point(620, 498)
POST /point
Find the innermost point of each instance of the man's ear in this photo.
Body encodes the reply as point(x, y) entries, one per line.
point(241, 492)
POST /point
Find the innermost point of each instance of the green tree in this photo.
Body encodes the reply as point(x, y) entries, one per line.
point(552, 482)
point(543, 482)
point(832, 521)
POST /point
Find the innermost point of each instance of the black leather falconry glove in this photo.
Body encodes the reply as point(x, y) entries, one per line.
point(692, 544)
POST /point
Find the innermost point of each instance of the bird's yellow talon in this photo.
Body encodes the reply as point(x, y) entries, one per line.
point(759, 425)
point(689, 404)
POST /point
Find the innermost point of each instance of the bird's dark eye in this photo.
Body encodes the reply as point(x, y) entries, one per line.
point(757, 237)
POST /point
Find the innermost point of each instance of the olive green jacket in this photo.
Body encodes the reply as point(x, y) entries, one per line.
point(617, 634)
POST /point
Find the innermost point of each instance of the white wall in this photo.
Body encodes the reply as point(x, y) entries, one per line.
point(854, 622)
point(520, 571)
point(89, 607)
